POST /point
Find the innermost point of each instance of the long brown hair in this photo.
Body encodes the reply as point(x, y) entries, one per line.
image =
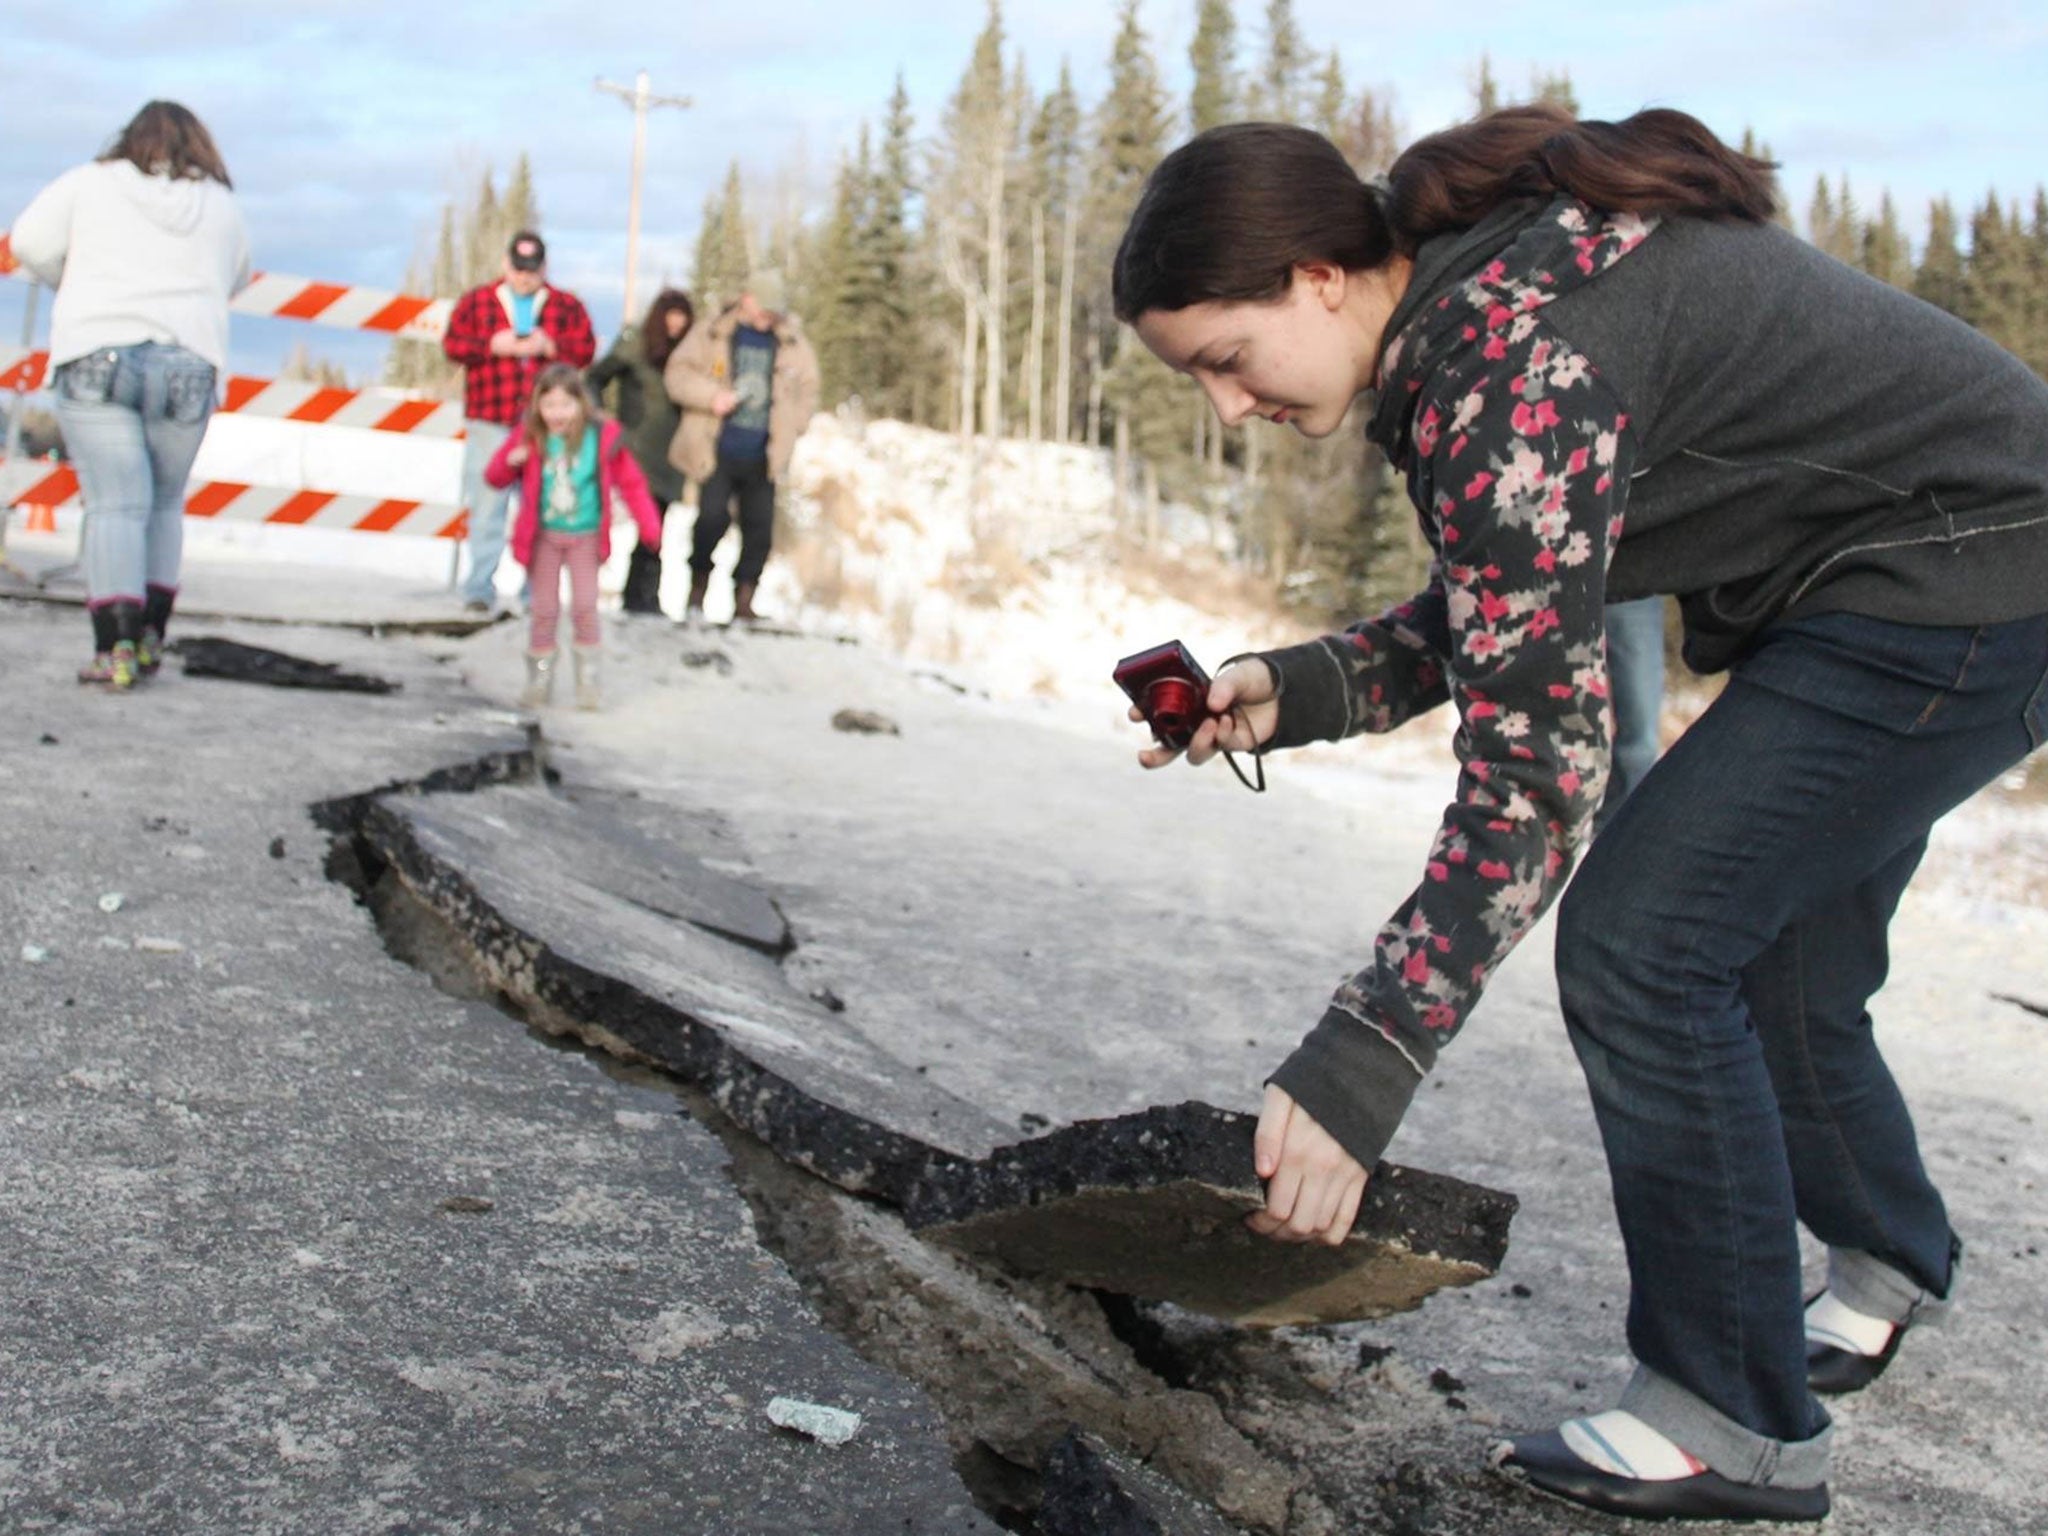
point(165, 139)
point(655, 341)
point(560, 376)
point(1228, 215)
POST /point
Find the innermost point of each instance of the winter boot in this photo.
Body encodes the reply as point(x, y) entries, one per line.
point(643, 583)
point(156, 623)
point(587, 695)
point(693, 610)
point(540, 679)
point(116, 627)
point(116, 669)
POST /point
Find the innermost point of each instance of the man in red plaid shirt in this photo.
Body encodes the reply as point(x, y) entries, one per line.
point(503, 334)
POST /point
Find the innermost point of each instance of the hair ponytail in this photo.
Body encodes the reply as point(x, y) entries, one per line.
point(1227, 216)
point(1657, 162)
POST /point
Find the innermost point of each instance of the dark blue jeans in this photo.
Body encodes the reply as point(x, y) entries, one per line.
point(1715, 956)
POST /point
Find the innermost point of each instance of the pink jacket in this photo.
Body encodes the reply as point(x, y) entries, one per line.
point(617, 473)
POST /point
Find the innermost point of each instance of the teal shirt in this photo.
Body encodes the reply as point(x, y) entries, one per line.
point(568, 491)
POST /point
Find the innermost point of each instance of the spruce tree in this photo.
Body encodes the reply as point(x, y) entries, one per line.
point(724, 257)
point(1485, 89)
point(1130, 139)
point(1332, 104)
point(1940, 278)
point(1994, 288)
point(838, 304)
point(1832, 223)
point(520, 208)
point(1280, 92)
point(2034, 350)
point(1142, 403)
point(1885, 255)
point(1845, 240)
point(1212, 56)
point(904, 377)
point(483, 245)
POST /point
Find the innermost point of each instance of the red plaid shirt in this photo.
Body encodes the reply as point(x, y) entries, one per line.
point(496, 388)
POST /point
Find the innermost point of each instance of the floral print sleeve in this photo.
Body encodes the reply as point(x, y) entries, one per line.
point(1518, 461)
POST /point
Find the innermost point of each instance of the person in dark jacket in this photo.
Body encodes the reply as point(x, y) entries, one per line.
point(1607, 374)
point(641, 405)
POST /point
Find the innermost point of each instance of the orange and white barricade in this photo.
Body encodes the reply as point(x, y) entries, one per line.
point(277, 506)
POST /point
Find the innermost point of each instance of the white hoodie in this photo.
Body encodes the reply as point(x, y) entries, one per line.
point(134, 258)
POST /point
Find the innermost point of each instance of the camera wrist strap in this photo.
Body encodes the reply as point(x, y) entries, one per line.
point(1258, 762)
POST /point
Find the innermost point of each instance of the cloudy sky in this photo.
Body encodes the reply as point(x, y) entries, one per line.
point(347, 125)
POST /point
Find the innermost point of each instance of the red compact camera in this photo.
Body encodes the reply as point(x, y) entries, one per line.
point(1169, 686)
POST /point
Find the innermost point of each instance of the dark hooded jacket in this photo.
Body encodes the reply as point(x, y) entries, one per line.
point(644, 409)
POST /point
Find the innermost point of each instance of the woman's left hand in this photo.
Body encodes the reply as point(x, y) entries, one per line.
point(1313, 1186)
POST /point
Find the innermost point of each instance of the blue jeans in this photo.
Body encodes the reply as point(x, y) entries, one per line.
point(133, 418)
point(487, 507)
point(1635, 681)
point(1715, 958)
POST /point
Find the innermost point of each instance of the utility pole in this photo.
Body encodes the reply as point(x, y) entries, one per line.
point(638, 98)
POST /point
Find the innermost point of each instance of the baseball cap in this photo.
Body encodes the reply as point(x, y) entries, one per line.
point(527, 251)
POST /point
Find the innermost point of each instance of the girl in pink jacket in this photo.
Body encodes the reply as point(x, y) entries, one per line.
point(571, 462)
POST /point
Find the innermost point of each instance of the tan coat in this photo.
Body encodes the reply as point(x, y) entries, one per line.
point(702, 366)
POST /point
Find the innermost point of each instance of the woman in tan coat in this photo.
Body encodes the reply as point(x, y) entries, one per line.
point(747, 383)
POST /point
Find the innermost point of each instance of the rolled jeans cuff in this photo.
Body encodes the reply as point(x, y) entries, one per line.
point(1875, 1289)
point(1738, 1454)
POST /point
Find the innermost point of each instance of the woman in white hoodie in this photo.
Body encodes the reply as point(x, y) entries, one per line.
point(144, 246)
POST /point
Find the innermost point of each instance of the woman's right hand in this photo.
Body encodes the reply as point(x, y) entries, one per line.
point(519, 455)
point(1244, 711)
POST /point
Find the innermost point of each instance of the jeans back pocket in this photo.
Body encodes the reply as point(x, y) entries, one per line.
point(189, 391)
point(88, 379)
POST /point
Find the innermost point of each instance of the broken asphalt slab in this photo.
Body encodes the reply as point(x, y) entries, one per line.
point(232, 661)
point(1153, 1205)
point(297, 1242)
point(620, 931)
point(556, 937)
